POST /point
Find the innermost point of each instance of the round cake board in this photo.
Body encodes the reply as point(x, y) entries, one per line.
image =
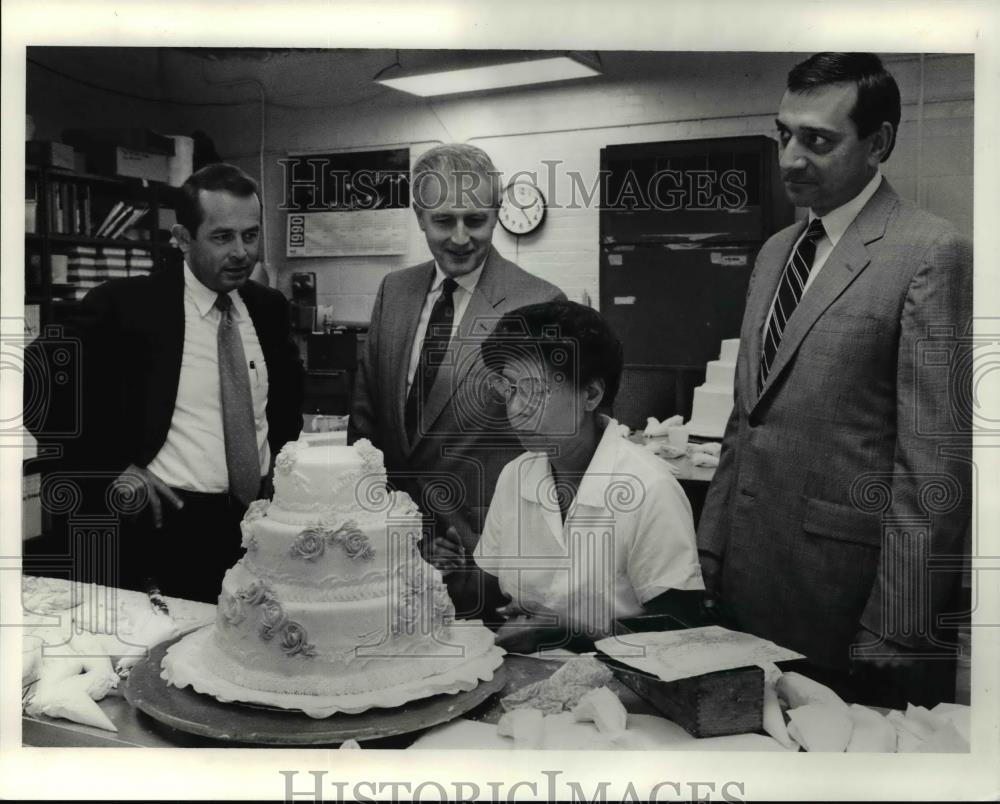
point(194, 713)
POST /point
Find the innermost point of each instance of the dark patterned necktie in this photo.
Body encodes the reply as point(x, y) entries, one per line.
point(790, 290)
point(432, 352)
point(238, 422)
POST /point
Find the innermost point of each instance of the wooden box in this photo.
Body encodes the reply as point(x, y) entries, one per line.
point(710, 705)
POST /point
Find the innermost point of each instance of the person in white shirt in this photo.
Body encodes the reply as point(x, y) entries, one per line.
point(585, 527)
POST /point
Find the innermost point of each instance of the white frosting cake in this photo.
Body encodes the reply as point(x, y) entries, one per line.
point(713, 401)
point(332, 609)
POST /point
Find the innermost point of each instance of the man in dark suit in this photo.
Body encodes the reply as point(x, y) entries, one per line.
point(191, 385)
point(420, 393)
point(845, 464)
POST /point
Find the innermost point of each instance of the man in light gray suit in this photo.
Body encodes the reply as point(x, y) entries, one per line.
point(844, 471)
point(420, 393)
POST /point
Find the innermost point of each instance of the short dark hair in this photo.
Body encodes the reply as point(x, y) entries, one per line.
point(878, 93)
point(214, 178)
point(434, 166)
point(568, 337)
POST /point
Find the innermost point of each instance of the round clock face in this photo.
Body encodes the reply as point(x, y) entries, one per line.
point(522, 209)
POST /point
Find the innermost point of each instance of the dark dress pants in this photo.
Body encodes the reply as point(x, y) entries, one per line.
point(189, 554)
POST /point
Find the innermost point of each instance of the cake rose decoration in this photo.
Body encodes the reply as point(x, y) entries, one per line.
point(272, 618)
point(233, 611)
point(408, 608)
point(354, 541)
point(310, 544)
point(289, 454)
point(356, 546)
point(256, 510)
point(294, 640)
point(443, 606)
point(371, 456)
point(256, 593)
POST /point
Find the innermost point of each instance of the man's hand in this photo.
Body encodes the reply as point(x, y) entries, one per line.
point(868, 650)
point(711, 571)
point(519, 636)
point(156, 491)
point(447, 552)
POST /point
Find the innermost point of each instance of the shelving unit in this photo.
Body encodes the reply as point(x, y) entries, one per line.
point(85, 200)
point(82, 201)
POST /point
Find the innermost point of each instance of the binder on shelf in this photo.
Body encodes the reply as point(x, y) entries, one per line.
point(115, 262)
point(122, 216)
point(55, 206)
point(134, 216)
point(87, 224)
point(74, 210)
point(66, 207)
point(85, 269)
point(112, 216)
point(139, 263)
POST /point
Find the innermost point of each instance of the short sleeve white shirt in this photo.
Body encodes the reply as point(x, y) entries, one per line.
point(628, 536)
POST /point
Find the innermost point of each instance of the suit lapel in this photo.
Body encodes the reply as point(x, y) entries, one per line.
point(846, 262)
point(477, 322)
point(163, 318)
point(758, 305)
point(403, 331)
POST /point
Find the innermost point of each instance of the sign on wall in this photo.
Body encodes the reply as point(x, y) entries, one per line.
point(347, 204)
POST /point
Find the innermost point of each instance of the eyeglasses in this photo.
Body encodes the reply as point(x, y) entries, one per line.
point(526, 389)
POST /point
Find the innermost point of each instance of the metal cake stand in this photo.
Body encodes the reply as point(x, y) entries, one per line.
point(194, 713)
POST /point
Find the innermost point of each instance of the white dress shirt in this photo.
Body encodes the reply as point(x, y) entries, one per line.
point(835, 223)
point(194, 455)
point(628, 536)
point(466, 286)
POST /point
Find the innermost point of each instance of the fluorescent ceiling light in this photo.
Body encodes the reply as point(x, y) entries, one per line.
point(496, 76)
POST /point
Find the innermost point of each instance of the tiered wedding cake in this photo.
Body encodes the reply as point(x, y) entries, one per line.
point(713, 401)
point(332, 609)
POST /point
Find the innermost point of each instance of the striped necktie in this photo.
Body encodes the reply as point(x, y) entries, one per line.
point(239, 426)
point(790, 290)
point(432, 353)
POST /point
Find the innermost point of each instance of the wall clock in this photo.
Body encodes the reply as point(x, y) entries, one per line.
point(522, 209)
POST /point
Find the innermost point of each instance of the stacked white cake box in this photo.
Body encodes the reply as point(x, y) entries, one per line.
point(713, 401)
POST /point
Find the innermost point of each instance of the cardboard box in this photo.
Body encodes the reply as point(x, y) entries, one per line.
point(139, 139)
point(49, 154)
point(116, 160)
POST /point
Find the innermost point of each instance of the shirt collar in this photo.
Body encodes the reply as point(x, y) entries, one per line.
point(467, 281)
point(836, 221)
point(600, 474)
point(204, 298)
